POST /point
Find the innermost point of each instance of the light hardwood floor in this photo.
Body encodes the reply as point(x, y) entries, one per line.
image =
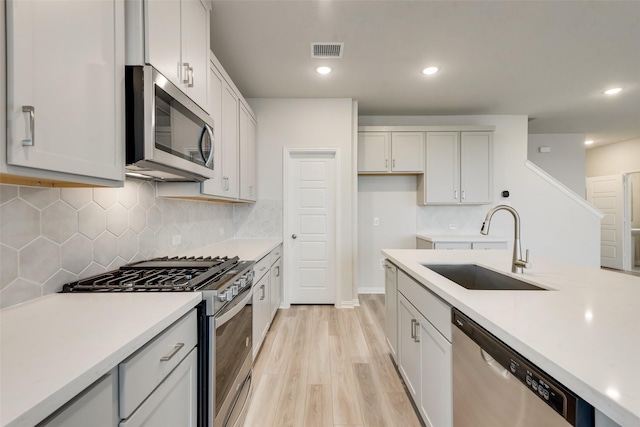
point(321, 366)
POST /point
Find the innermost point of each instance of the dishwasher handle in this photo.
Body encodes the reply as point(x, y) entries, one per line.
point(494, 365)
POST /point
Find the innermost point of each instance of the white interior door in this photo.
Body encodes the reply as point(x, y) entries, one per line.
point(606, 194)
point(310, 233)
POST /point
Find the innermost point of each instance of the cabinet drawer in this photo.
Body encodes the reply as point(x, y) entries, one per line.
point(489, 245)
point(452, 245)
point(276, 254)
point(261, 268)
point(141, 373)
point(174, 402)
point(430, 306)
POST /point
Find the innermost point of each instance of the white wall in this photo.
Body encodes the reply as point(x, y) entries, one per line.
point(309, 123)
point(565, 162)
point(391, 199)
point(553, 225)
point(613, 159)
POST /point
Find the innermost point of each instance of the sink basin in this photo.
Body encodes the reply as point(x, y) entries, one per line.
point(473, 277)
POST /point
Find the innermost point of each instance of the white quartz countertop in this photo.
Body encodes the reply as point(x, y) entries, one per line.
point(435, 238)
point(245, 249)
point(583, 331)
point(52, 348)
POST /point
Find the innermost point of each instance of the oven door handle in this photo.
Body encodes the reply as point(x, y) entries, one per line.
point(224, 318)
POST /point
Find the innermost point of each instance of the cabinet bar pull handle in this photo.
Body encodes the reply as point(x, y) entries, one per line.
point(185, 72)
point(415, 334)
point(263, 293)
point(455, 194)
point(190, 77)
point(393, 163)
point(31, 140)
point(278, 271)
point(413, 329)
point(463, 195)
point(175, 351)
point(386, 163)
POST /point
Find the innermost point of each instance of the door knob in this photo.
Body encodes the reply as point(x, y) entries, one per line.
point(293, 236)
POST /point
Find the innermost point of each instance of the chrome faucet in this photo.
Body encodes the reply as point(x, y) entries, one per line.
point(518, 262)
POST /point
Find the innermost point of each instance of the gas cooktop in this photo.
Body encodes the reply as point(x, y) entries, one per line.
point(165, 274)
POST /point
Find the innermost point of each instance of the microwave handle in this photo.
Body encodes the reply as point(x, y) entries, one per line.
point(208, 160)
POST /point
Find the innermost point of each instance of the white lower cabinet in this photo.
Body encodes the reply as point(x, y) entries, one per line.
point(391, 308)
point(409, 363)
point(174, 402)
point(96, 406)
point(276, 286)
point(267, 295)
point(158, 383)
point(424, 351)
point(436, 384)
point(261, 312)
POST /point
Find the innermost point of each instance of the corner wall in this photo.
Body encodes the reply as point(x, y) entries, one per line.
point(553, 225)
point(309, 123)
point(565, 161)
point(614, 159)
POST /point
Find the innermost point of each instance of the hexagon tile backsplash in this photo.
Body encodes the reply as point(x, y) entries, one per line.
point(51, 236)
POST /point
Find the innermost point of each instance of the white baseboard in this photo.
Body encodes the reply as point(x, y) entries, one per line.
point(371, 290)
point(350, 304)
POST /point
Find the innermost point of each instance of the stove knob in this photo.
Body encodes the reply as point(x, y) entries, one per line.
point(243, 281)
point(222, 297)
point(229, 294)
point(234, 290)
point(237, 283)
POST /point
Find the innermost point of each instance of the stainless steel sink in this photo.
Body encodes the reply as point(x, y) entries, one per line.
point(471, 276)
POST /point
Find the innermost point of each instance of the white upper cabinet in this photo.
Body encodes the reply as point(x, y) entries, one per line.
point(172, 36)
point(390, 152)
point(476, 172)
point(247, 155)
point(407, 152)
point(225, 110)
point(373, 151)
point(458, 168)
point(230, 142)
point(65, 87)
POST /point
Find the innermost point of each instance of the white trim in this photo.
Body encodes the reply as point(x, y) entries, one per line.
point(438, 128)
point(287, 153)
point(563, 189)
point(350, 304)
point(370, 290)
point(354, 201)
point(627, 241)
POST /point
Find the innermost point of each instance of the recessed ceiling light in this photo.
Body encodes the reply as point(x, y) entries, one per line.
point(430, 70)
point(323, 70)
point(612, 91)
point(589, 142)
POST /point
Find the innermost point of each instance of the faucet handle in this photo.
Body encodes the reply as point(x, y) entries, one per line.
point(526, 263)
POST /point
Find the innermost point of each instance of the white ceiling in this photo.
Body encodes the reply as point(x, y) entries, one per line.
point(550, 60)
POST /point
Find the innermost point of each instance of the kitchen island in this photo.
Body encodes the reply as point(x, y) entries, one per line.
point(582, 331)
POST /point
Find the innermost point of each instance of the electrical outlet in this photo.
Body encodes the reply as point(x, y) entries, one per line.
point(221, 230)
point(381, 263)
point(453, 226)
point(376, 221)
point(176, 239)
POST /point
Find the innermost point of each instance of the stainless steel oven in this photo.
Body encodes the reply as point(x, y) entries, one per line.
point(224, 326)
point(168, 136)
point(231, 365)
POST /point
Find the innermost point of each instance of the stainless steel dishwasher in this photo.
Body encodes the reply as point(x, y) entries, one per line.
point(493, 386)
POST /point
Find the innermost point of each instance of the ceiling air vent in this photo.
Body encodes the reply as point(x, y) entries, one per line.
point(327, 50)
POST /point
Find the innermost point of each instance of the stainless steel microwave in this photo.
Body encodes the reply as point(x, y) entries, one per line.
point(168, 136)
